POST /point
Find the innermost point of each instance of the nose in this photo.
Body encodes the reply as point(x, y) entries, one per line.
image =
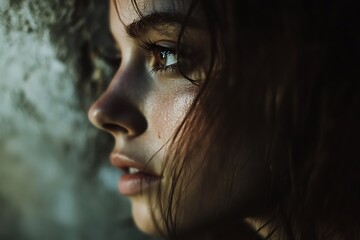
point(118, 112)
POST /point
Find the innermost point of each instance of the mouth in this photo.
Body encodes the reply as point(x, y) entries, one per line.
point(137, 178)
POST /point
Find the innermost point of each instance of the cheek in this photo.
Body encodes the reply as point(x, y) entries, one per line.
point(168, 112)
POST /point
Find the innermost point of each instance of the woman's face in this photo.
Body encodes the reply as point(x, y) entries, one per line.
point(146, 101)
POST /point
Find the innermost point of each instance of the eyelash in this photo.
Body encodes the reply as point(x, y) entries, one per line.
point(155, 49)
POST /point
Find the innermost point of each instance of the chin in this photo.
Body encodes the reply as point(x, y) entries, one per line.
point(143, 218)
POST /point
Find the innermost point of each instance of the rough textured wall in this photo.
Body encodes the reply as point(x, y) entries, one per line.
point(53, 184)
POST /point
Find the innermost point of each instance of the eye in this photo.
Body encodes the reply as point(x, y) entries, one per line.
point(163, 55)
point(164, 58)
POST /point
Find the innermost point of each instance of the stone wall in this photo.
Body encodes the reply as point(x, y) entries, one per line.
point(55, 182)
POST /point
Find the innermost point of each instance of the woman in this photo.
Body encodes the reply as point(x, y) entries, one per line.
point(236, 119)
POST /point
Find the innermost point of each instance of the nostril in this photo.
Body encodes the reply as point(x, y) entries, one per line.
point(115, 128)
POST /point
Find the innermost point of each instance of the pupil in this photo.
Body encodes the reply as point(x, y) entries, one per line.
point(164, 54)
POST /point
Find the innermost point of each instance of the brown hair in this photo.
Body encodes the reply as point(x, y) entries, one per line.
point(288, 83)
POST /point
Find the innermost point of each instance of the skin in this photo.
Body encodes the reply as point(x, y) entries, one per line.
point(142, 108)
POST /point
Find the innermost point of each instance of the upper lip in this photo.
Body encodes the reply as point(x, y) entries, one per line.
point(124, 162)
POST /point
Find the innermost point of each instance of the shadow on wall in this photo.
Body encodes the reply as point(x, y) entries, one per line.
point(54, 179)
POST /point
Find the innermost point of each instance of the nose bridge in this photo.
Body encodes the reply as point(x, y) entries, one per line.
point(120, 107)
point(129, 84)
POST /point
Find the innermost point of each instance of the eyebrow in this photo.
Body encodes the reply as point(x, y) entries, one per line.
point(156, 19)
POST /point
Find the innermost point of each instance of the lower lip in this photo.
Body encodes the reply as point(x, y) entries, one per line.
point(133, 184)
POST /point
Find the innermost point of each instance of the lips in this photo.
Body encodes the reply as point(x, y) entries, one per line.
point(137, 177)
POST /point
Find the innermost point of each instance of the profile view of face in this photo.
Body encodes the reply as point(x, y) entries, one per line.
point(144, 104)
